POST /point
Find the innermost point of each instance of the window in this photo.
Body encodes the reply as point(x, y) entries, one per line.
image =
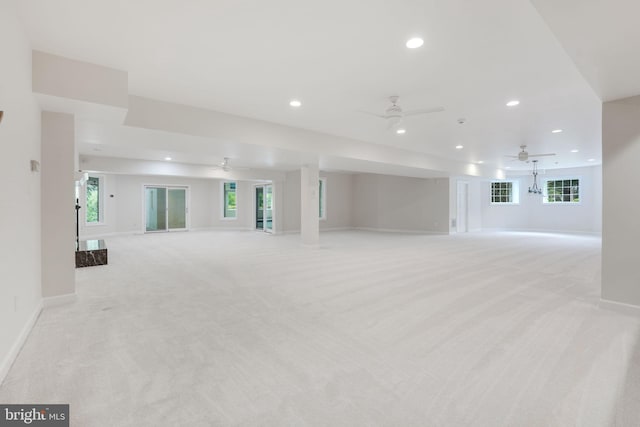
point(229, 200)
point(322, 192)
point(505, 192)
point(93, 203)
point(562, 191)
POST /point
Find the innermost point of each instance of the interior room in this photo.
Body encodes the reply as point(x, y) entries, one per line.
point(328, 214)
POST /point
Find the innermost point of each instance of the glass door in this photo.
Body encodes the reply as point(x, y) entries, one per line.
point(165, 208)
point(268, 208)
point(264, 208)
point(260, 208)
point(156, 208)
point(177, 208)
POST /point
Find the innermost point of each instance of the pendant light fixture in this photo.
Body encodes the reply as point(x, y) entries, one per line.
point(534, 189)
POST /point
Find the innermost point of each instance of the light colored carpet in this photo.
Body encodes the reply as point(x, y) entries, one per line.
point(242, 328)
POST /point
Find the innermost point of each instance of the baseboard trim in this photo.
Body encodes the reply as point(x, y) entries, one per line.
point(546, 231)
point(322, 230)
point(620, 307)
point(222, 229)
point(59, 300)
point(402, 231)
point(7, 362)
point(113, 234)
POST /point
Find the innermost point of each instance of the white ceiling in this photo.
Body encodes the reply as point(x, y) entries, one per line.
point(251, 57)
point(603, 39)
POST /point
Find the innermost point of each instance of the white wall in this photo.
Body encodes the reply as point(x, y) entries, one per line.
point(20, 258)
point(67, 78)
point(532, 214)
point(124, 211)
point(621, 230)
point(291, 202)
point(401, 204)
point(338, 204)
point(58, 194)
point(339, 201)
point(474, 203)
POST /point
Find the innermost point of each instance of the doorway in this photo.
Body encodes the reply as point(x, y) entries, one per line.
point(264, 208)
point(462, 223)
point(165, 208)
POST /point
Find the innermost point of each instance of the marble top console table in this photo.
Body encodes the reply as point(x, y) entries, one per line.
point(91, 253)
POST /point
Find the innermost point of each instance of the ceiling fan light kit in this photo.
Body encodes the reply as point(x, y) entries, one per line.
point(225, 166)
point(524, 155)
point(394, 114)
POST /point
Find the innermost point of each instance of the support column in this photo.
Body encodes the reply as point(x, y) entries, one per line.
point(621, 207)
point(58, 218)
point(309, 205)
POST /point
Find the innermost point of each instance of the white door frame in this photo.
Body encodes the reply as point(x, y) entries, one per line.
point(462, 209)
point(264, 207)
point(168, 187)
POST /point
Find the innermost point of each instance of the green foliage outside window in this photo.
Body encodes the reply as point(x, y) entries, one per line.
point(501, 192)
point(93, 200)
point(563, 191)
point(230, 200)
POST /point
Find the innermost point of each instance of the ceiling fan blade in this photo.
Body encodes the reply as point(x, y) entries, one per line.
point(542, 155)
point(372, 114)
point(511, 157)
point(423, 111)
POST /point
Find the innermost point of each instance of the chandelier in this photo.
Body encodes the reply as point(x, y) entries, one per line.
point(534, 189)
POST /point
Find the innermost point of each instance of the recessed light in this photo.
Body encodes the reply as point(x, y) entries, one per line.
point(591, 160)
point(480, 162)
point(401, 131)
point(513, 103)
point(167, 159)
point(459, 147)
point(556, 131)
point(295, 103)
point(508, 167)
point(415, 43)
point(574, 150)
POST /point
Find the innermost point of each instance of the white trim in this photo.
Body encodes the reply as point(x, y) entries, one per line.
point(322, 195)
point(467, 190)
point(515, 192)
point(14, 350)
point(101, 208)
point(112, 234)
point(398, 230)
point(224, 200)
point(187, 219)
point(273, 205)
point(619, 306)
point(254, 209)
point(322, 230)
point(545, 195)
point(217, 228)
point(542, 230)
point(59, 300)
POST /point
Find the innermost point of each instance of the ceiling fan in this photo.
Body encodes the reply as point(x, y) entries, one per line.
point(394, 114)
point(226, 166)
point(523, 155)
